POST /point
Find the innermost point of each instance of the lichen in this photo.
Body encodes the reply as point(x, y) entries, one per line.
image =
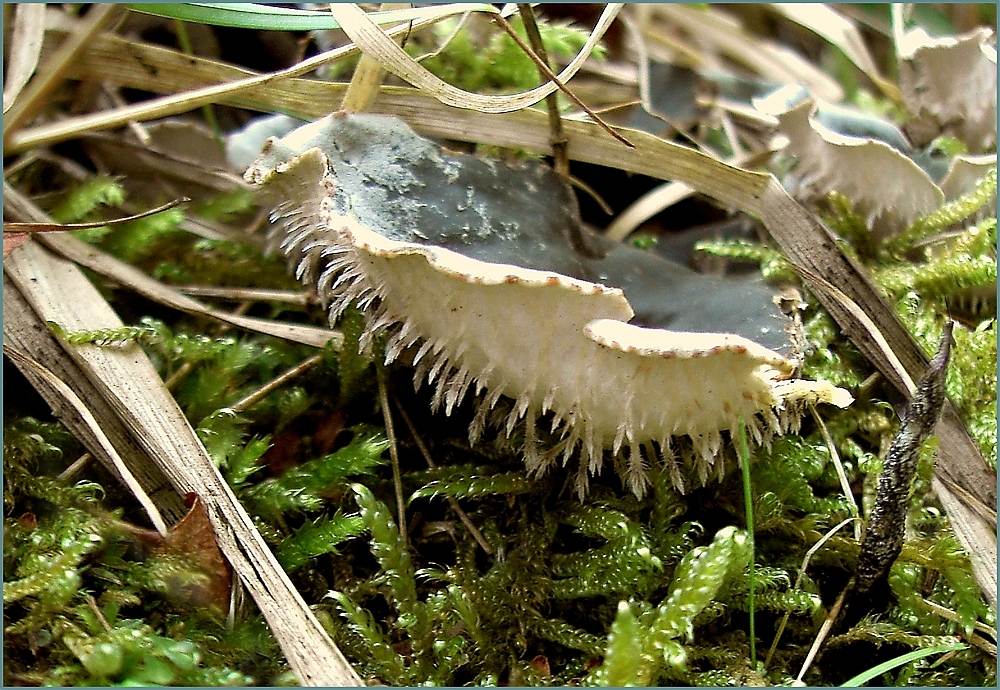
point(522, 320)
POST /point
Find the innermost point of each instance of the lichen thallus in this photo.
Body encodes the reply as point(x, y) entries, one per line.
point(464, 263)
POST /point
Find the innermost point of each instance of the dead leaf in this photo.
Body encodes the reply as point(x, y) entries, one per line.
point(194, 539)
point(540, 664)
point(328, 430)
point(13, 240)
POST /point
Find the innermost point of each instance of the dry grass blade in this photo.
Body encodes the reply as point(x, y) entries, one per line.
point(127, 275)
point(824, 21)
point(74, 401)
point(110, 267)
point(126, 380)
point(27, 333)
point(821, 635)
point(171, 105)
point(277, 382)
point(367, 35)
point(297, 297)
point(976, 533)
point(34, 97)
point(845, 483)
point(25, 49)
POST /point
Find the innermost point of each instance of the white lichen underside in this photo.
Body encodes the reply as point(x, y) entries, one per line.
point(882, 181)
point(556, 346)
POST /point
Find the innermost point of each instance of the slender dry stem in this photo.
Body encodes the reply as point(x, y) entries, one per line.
point(452, 501)
point(549, 74)
point(397, 481)
point(845, 483)
point(277, 382)
point(557, 136)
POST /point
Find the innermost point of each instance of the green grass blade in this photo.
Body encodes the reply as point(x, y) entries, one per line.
point(876, 671)
point(241, 15)
point(247, 15)
point(743, 451)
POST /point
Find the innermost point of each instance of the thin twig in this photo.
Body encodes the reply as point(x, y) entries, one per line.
point(75, 467)
point(297, 297)
point(59, 227)
point(798, 581)
point(469, 525)
point(866, 386)
point(505, 25)
point(592, 193)
point(974, 640)
point(845, 483)
point(92, 603)
point(182, 371)
point(557, 136)
point(275, 383)
point(115, 100)
point(397, 480)
point(824, 630)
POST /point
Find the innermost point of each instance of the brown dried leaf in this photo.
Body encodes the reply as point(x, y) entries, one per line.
point(13, 240)
point(194, 539)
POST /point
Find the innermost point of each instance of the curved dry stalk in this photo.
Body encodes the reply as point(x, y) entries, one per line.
point(373, 41)
point(390, 432)
point(798, 580)
point(124, 473)
point(845, 483)
point(821, 635)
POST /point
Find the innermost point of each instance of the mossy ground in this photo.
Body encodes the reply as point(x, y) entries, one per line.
point(612, 590)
